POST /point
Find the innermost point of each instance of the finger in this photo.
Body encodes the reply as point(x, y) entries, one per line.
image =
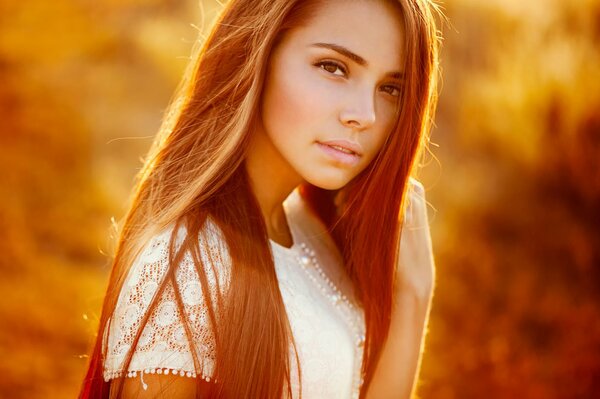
point(416, 210)
point(416, 186)
point(408, 214)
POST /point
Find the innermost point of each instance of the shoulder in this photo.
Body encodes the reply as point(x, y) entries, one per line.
point(148, 304)
point(157, 252)
point(149, 269)
point(158, 247)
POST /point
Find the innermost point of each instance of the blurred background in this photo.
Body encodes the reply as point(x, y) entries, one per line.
point(513, 180)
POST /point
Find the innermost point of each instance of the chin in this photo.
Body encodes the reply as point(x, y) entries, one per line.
point(329, 182)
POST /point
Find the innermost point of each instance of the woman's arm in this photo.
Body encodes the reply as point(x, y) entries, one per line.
point(161, 386)
point(398, 367)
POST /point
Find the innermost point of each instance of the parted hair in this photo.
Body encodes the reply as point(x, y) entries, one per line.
point(195, 169)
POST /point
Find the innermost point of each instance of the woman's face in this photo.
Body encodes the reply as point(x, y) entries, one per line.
point(335, 81)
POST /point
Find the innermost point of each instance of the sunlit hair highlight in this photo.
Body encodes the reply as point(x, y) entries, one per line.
point(195, 169)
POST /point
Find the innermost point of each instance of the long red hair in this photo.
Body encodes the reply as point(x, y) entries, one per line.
point(195, 169)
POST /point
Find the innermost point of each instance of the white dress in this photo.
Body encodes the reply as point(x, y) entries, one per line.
point(326, 322)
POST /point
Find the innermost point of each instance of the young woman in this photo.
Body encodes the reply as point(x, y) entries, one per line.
point(276, 245)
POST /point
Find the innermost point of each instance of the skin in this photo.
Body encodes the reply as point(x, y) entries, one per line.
point(306, 101)
point(398, 367)
point(308, 98)
point(314, 94)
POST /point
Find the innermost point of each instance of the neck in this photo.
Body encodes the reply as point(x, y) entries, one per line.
point(272, 179)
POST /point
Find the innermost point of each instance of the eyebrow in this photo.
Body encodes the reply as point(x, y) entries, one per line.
point(353, 56)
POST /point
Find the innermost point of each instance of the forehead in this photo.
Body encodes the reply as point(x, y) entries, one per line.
point(373, 29)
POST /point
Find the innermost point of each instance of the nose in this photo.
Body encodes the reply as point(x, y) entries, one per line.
point(359, 114)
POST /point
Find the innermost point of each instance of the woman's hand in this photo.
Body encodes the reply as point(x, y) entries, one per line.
point(398, 368)
point(415, 269)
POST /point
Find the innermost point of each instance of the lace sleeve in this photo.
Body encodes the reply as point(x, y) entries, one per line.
point(163, 347)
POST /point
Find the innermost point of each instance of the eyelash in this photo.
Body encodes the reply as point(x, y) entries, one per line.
point(342, 68)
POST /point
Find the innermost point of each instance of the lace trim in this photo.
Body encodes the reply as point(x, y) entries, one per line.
point(134, 374)
point(163, 347)
point(170, 363)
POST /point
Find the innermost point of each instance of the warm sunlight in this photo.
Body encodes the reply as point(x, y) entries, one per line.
point(513, 179)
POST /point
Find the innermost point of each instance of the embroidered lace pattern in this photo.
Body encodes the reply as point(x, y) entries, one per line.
point(163, 346)
point(325, 340)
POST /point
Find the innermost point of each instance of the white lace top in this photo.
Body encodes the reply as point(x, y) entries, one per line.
point(326, 322)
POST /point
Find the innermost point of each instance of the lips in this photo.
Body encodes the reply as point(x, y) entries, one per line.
point(345, 146)
point(340, 155)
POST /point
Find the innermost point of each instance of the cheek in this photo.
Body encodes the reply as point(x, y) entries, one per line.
point(389, 113)
point(287, 103)
point(387, 117)
point(297, 101)
point(387, 130)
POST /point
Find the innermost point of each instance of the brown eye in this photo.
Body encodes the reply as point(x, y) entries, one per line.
point(332, 67)
point(393, 91)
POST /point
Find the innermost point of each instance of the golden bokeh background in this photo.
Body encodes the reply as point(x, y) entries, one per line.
point(513, 179)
